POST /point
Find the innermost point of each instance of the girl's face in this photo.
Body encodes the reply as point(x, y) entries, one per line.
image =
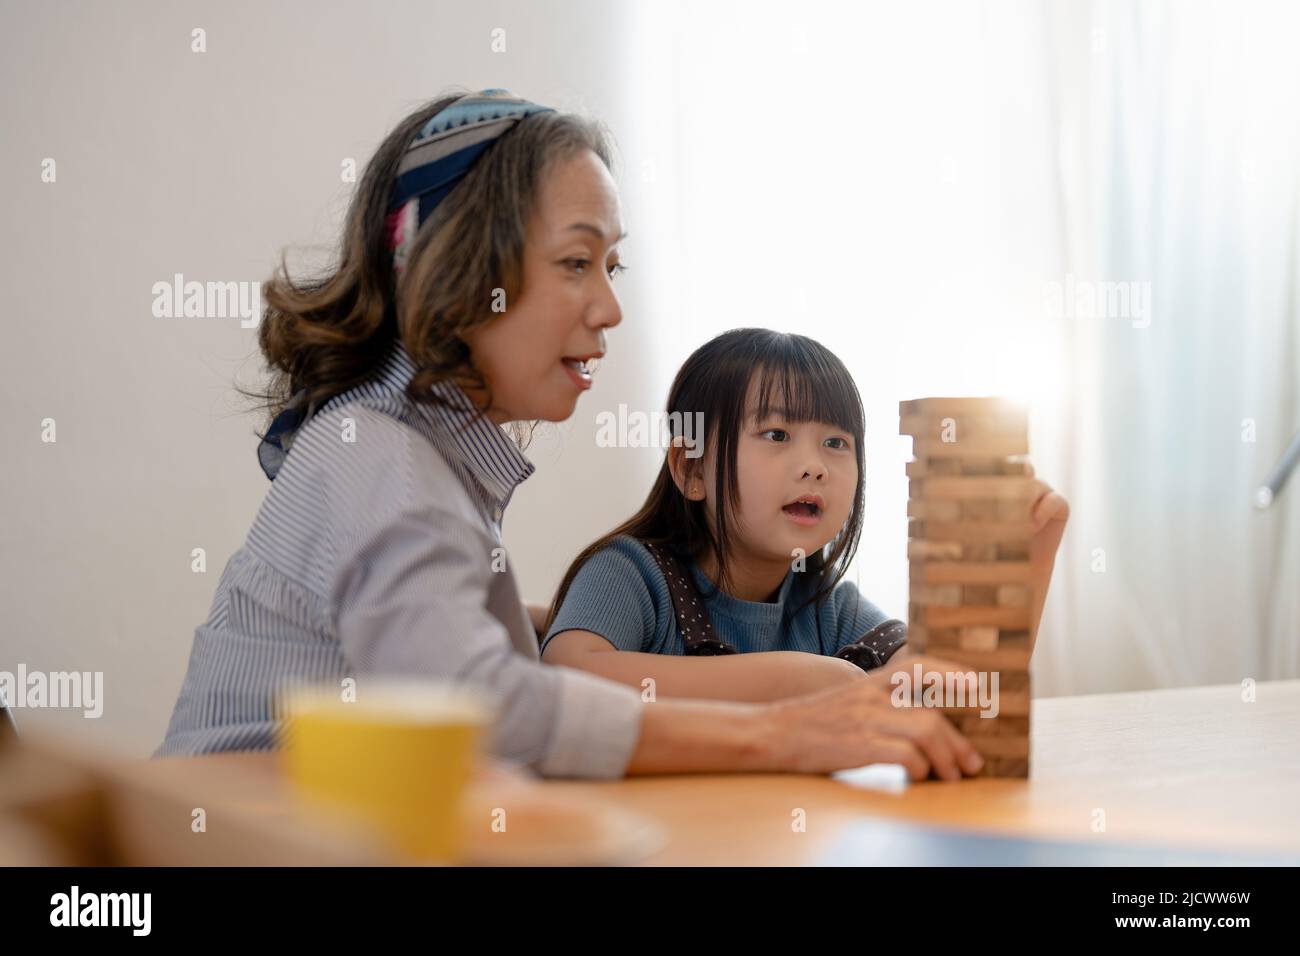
point(531, 355)
point(797, 482)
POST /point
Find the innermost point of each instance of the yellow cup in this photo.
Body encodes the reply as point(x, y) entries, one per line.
point(395, 753)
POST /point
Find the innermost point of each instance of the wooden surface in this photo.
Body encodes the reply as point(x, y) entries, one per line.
point(1194, 767)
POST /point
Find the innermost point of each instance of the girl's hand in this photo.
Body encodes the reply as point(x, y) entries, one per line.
point(806, 673)
point(761, 676)
point(1048, 515)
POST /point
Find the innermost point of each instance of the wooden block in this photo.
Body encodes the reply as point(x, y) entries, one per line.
point(1010, 684)
point(1014, 639)
point(968, 616)
point(973, 725)
point(980, 594)
point(1010, 551)
point(1007, 467)
point(976, 467)
point(937, 510)
point(975, 572)
point(946, 466)
point(978, 639)
point(1002, 746)
point(987, 446)
point(1006, 767)
point(928, 640)
point(970, 467)
point(936, 550)
point(1014, 510)
point(1001, 487)
point(944, 637)
point(993, 407)
point(1012, 661)
point(939, 466)
point(918, 636)
point(1013, 682)
point(939, 595)
point(960, 426)
point(975, 532)
point(1012, 595)
point(973, 509)
point(1012, 704)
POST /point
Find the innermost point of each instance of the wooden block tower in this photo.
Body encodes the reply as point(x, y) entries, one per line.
point(970, 596)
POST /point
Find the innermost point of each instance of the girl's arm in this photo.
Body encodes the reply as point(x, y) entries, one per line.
point(763, 676)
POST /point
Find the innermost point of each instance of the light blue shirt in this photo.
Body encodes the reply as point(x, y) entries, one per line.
point(621, 594)
point(382, 555)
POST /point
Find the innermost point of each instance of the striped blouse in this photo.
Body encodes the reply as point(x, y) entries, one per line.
point(378, 551)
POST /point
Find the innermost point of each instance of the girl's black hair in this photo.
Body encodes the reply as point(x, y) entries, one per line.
point(794, 374)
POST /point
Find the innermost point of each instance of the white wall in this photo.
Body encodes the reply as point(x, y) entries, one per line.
point(208, 164)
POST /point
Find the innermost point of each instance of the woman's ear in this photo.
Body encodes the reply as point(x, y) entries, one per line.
point(687, 472)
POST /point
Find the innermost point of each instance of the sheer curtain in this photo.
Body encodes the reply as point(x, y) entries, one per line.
point(1179, 159)
point(916, 184)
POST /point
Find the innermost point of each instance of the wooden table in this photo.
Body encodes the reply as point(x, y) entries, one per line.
point(1193, 767)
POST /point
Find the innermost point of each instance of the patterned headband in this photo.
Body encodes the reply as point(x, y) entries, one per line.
point(441, 153)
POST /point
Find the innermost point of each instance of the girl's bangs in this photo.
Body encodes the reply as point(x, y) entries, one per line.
point(805, 387)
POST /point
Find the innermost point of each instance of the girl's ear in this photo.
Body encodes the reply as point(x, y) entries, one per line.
point(688, 473)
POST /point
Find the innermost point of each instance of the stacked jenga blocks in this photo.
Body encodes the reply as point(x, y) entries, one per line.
point(970, 594)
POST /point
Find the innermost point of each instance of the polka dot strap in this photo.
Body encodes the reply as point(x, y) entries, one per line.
point(693, 621)
point(877, 646)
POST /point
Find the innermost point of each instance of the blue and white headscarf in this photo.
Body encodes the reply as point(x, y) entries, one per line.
point(438, 157)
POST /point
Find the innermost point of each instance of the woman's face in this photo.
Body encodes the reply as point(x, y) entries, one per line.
point(531, 355)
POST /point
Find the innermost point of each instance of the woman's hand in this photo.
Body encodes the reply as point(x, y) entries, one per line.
point(904, 661)
point(857, 724)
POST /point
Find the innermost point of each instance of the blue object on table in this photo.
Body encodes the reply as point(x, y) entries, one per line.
point(879, 842)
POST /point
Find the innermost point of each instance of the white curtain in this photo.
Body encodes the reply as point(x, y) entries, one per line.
point(1180, 167)
point(913, 183)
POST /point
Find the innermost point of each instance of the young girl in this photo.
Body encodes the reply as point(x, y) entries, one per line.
point(728, 583)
